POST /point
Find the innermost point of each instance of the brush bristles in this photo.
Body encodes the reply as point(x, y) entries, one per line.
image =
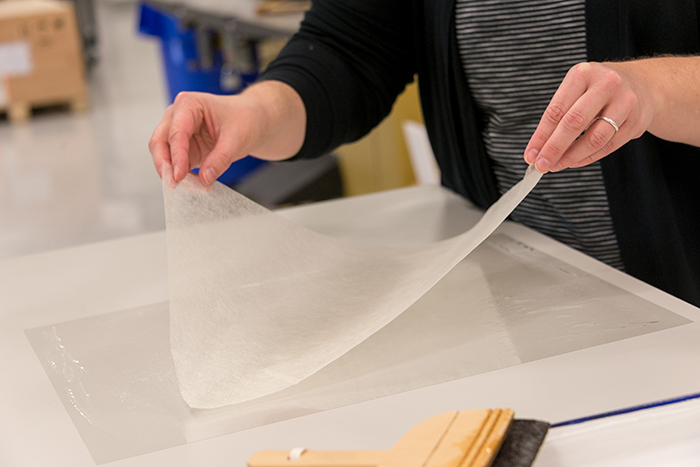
point(521, 444)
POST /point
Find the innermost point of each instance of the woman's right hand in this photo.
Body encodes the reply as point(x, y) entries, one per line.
point(267, 120)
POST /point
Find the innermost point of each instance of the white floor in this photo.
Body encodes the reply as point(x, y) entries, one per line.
point(68, 179)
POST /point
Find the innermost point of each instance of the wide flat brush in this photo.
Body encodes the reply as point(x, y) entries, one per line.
point(468, 438)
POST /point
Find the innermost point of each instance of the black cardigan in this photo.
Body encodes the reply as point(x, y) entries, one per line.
point(351, 59)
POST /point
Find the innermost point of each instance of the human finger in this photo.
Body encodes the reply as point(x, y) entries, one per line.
point(569, 91)
point(613, 145)
point(158, 144)
point(186, 120)
point(576, 120)
point(226, 151)
point(597, 139)
point(167, 175)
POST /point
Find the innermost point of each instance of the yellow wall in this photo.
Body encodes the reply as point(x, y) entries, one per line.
point(380, 160)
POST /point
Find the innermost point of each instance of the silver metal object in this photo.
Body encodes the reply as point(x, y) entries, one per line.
point(610, 121)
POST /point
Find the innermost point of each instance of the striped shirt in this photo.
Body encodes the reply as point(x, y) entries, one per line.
point(515, 53)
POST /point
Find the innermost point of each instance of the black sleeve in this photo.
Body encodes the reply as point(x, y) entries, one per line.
point(348, 62)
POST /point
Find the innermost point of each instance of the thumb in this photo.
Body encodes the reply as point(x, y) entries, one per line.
point(219, 159)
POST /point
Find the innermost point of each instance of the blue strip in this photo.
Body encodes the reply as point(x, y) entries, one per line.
point(628, 410)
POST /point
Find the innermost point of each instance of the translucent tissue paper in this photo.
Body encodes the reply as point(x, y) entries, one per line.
point(258, 303)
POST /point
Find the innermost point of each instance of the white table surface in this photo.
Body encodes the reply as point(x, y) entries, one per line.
point(667, 435)
point(47, 288)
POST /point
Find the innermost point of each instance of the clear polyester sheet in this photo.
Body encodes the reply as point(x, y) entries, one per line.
point(258, 303)
point(506, 304)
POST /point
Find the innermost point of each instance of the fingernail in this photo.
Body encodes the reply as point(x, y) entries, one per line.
point(557, 167)
point(531, 156)
point(209, 176)
point(542, 165)
point(176, 172)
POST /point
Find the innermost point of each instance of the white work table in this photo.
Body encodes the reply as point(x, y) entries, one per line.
point(42, 290)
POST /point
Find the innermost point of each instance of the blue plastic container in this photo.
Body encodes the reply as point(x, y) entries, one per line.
point(187, 70)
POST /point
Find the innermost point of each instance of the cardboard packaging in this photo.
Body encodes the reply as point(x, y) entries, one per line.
point(41, 61)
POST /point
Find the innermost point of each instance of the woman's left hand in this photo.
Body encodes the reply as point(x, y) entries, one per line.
point(597, 108)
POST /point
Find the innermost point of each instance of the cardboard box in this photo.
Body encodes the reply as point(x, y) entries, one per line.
point(41, 59)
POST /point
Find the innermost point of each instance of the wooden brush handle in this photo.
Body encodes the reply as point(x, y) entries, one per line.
point(317, 459)
point(470, 438)
point(493, 434)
